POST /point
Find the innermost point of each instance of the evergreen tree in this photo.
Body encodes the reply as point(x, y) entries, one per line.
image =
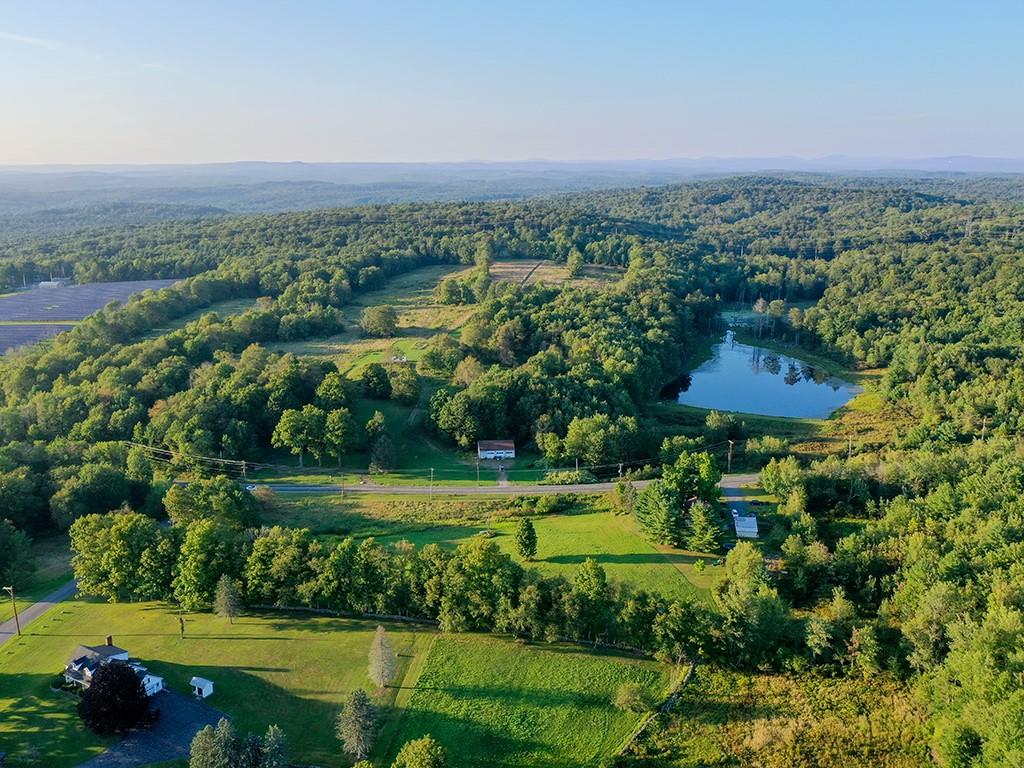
point(355, 725)
point(275, 748)
point(383, 662)
point(382, 454)
point(227, 602)
point(702, 530)
point(660, 514)
point(526, 539)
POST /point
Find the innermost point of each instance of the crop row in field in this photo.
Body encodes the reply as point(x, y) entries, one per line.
point(71, 302)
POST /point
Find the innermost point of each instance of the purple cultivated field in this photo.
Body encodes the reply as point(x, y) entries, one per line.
point(72, 302)
point(30, 316)
point(14, 336)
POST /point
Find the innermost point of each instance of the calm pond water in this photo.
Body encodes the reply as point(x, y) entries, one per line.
point(741, 377)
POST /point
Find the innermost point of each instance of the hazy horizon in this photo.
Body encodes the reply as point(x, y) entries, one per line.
point(115, 83)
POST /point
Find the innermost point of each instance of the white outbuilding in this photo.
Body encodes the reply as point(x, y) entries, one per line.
point(496, 449)
point(746, 525)
point(201, 687)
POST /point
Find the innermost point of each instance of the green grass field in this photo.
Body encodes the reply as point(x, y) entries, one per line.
point(295, 670)
point(564, 540)
point(726, 718)
point(289, 670)
point(493, 703)
point(53, 568)
point(223, 308)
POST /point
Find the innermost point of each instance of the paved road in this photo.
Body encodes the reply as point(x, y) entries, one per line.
point(34, 611)
point(181, 717)
point(731, 491)
point(728, 482)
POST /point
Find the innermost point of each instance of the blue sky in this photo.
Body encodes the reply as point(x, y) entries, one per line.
point(109, 82)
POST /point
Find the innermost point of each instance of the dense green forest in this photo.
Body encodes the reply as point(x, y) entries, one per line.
point(901, 561)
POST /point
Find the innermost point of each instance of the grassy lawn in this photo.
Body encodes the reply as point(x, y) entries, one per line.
point(773, 721)
point(53, 568)
point(493, 703)
point(224, 308)
point(564, 540)
point(295, 670)
point(290, 670)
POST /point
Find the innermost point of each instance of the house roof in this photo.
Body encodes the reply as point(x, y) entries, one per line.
point(496, 445)
point(97, 652)
point(200, 682)
point(746, 527)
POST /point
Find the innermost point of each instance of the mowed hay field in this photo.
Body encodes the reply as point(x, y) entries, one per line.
point(563, 540)
point(295, 670)
point(725, 718)
point(496, 704)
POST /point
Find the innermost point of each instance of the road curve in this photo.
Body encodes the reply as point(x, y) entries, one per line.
point(27, 615)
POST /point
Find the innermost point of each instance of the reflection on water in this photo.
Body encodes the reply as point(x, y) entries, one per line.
point(741, 377)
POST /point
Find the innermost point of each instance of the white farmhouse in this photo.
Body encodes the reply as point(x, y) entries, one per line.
point(87, 660)
point(496, 449)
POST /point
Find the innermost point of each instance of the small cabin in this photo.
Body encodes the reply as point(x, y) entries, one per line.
point(496, 449)
point(746, 525)
point(201, 687)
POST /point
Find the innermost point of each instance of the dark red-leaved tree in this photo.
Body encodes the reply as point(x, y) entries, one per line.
point(115, 701)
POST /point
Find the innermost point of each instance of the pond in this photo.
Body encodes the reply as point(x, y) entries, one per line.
point(749, 379)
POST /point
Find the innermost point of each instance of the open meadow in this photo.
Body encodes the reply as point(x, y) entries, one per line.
point(499, 704)
point(295, 670)
point(725, 718)
point(563, 540)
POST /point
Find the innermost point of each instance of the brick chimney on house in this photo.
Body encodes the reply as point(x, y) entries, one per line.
point(110, 639)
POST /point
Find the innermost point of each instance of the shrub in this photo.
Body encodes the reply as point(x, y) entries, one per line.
point(631, 697)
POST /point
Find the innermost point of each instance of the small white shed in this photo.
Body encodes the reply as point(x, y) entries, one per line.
point(746, 525)
point(201, 687)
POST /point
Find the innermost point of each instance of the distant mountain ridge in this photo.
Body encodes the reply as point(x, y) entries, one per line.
point(44, 199)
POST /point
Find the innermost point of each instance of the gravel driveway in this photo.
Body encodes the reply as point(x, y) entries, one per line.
point(181, 717)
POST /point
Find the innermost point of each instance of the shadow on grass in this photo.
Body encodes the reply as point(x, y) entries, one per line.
point(634, 558)
point(33, 715)
point(469, 742)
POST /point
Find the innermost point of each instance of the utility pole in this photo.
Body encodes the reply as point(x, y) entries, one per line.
point(577, 463)
point(431, 482)
point(478, 473)
point(620, 469)
point(728, 461)
point(14, 605)
point(243, 470)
